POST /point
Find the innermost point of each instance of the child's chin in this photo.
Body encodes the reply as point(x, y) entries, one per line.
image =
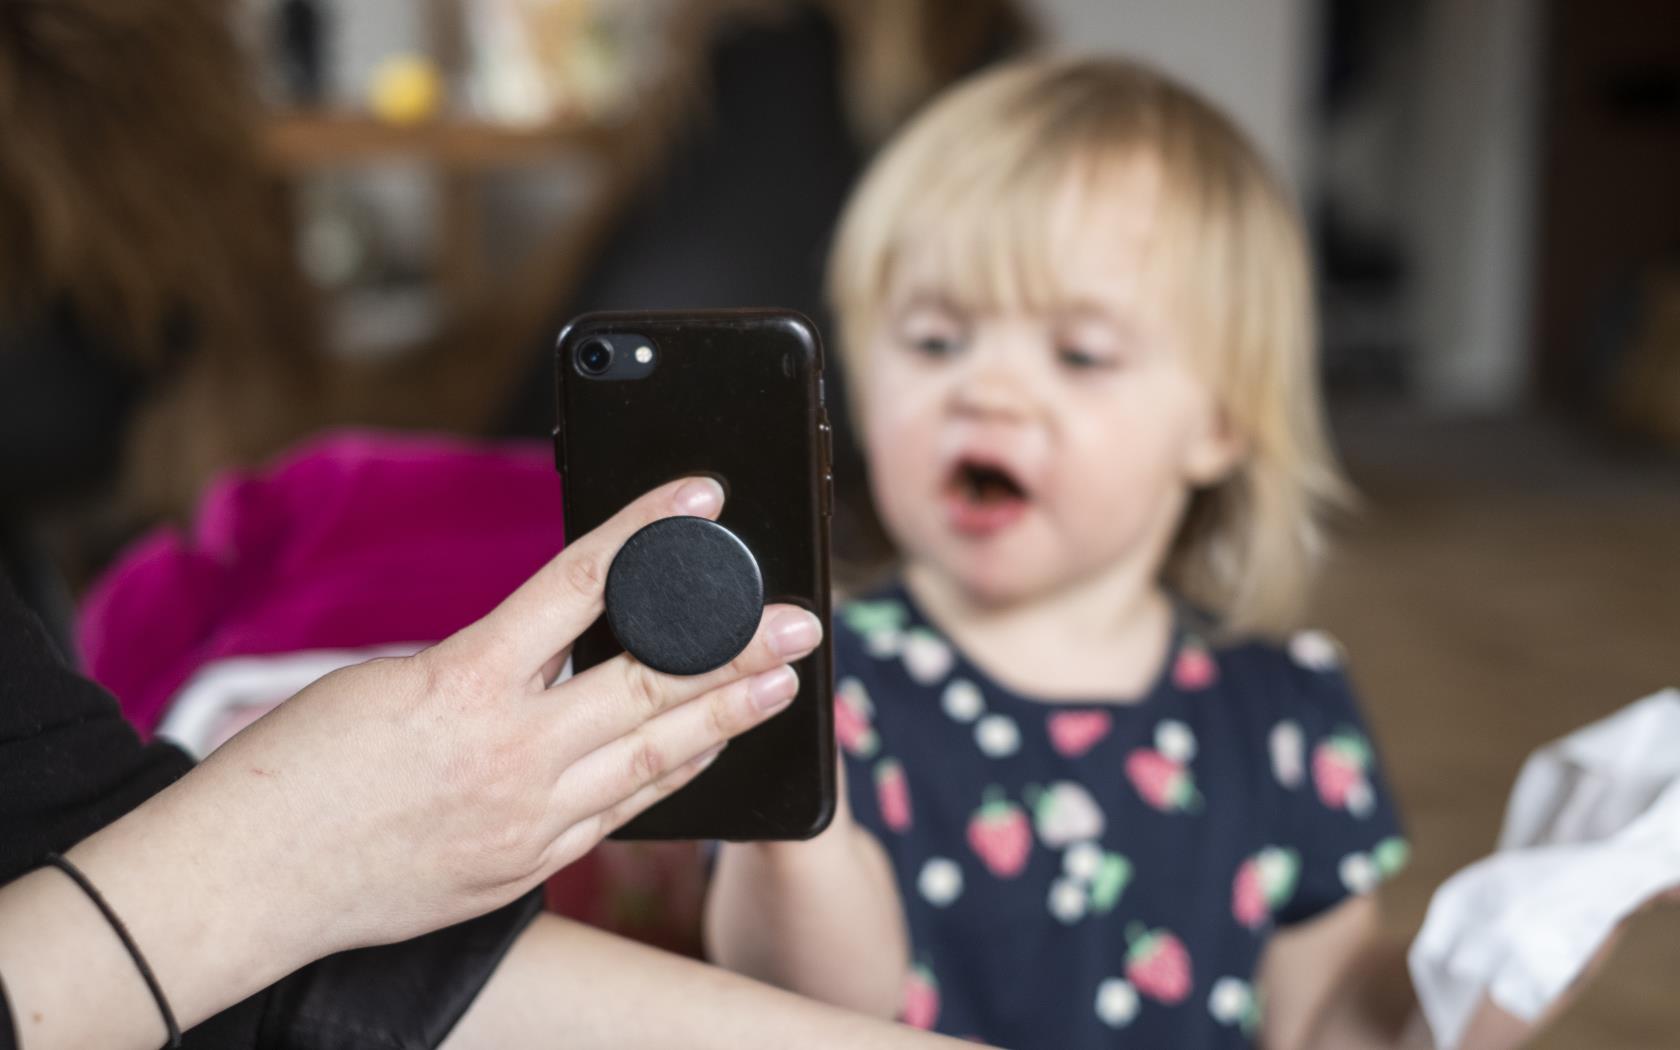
point(1001, 584)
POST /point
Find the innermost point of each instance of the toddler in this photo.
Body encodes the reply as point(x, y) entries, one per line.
point(1096, 793)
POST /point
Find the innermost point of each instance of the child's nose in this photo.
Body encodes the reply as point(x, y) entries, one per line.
point(992, 393)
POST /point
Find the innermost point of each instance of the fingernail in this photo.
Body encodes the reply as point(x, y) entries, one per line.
point(793, 633)
point(707, 759)
point(773, 690)
point(701, 497)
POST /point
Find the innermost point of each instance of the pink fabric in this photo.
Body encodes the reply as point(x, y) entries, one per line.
point(354, 539)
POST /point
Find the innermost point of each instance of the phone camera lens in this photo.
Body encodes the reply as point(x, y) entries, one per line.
point(595, 356)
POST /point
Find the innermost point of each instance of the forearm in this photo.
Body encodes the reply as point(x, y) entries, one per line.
point(1376, 1009)
point(57, 955)
point(1369, 1006)
point(565, 984)
point(1490, 1028)
point(203, 907)
point(820, 918)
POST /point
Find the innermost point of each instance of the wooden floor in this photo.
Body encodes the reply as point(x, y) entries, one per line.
point(1506, 583)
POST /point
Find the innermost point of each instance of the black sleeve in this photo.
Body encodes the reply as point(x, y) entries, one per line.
point(70, 764)
point(8, 1031)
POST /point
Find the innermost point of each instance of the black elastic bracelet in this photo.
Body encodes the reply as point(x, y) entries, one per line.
point(63, 864)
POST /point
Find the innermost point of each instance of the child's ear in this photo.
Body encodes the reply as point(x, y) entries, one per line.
point(1216, 451)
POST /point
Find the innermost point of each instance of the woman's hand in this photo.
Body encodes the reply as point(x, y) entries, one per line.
point(447, 783)
point(403, 795)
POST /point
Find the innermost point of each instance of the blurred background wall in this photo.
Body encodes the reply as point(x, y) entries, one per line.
point(1256, 60)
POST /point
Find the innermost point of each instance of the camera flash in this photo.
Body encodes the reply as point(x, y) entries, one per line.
point(644, 354)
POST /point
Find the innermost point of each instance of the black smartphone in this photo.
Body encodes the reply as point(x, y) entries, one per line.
point(644, 398)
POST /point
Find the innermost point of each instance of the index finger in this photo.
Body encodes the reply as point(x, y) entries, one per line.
point(539, 621)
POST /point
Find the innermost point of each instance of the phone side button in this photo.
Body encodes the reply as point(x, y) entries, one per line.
point(826, 433)
point(559, 451)
point(828, 494)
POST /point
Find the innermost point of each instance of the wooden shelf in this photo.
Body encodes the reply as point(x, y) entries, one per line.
point(309, 141)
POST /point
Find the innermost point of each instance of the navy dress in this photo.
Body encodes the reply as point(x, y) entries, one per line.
point(1106, 874)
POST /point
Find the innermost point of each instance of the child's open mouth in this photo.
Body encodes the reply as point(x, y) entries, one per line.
point(983, 497)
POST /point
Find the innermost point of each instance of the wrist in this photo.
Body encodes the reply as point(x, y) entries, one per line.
point(57, 954)
point(209, 892)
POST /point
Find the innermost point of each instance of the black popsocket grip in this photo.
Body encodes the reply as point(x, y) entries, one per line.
point(684, 595)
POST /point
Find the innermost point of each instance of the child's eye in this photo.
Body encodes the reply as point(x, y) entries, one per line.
point(935, 345)
point(1082, 360)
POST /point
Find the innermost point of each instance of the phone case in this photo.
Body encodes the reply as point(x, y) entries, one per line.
point(737, 395)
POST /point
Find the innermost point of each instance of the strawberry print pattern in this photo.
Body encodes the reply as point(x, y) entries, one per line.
point(854, 716)
point(1194, 669)
point(880, 624)
point(963, 701)
point(997, 736)
point(1117, 1002)
point(1359, 873)
point(1072, 733)
point(1288, 749)
point(1264, 883)
point(940, 882)
point(1130, 860)
point(1391, 855)
point(1163, 783)
point(868, 618)
point(1339, 772)
point(892, 791)
point(1362, 872)
point(1091, 883)
point(1065, 813)
point(921, 999)
point(1112, 877)
point(1233, 1003)
point(1175, 740)
point(1158, 965)
point(1315, 651)
point(926, 656)
point(1000, 835)
point(1068, 901)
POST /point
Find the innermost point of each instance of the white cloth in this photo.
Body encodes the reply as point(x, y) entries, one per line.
point(1592, 831)
point(225, 696)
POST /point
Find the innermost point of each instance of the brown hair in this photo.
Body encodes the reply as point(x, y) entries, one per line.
point(133, 189)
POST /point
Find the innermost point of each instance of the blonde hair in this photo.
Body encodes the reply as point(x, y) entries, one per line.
point(975, 174)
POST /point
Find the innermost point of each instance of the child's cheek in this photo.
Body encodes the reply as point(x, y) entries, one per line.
point(899, 447)
point(1125, 472)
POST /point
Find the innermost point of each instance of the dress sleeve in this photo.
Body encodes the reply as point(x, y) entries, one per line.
point(1337, 802)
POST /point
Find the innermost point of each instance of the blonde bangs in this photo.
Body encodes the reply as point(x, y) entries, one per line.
point(970, 181)
point(988, 240)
